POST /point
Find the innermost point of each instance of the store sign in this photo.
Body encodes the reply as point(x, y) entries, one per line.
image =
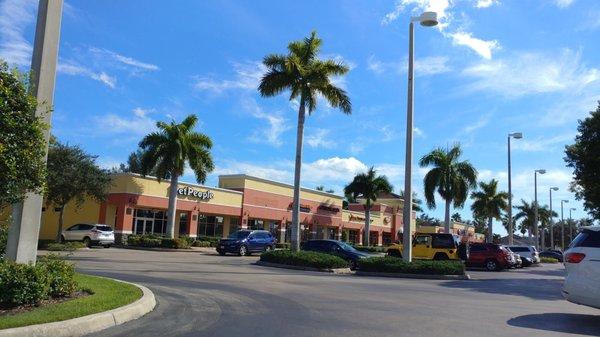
point(357, 218)
point(329, 208)
point(303, 208)
point(202, 195)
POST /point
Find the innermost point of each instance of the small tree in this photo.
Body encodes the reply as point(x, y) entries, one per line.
point(584, 158)
point(72, 176)
point(368, 186)
point(22, 144)
point(488, 203)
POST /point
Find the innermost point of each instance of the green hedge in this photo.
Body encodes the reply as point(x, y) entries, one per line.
point(390, 264)
point(22, 284)
point(304, 259)
point(152, 241)
point(213, 240)
point(201, 244)
point(67, 246)
point(3, 237)
point(548, 260)
point(370, 249)
point(283, 245)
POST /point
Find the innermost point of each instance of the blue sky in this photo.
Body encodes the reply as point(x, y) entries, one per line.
point(491, 67)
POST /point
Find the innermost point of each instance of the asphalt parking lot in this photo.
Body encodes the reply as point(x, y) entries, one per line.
point(210, 295)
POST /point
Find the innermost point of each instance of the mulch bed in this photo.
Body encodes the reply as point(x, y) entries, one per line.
point(25, 308)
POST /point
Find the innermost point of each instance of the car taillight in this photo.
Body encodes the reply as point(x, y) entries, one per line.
point(574, 257)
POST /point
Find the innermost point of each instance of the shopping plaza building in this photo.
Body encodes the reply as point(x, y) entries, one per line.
point(138, 205)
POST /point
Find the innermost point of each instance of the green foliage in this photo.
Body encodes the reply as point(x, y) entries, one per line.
point(22, 284)
point(3, 237)
point(548, 260)
point(370, 249)
point(584, 157)
point(449, 177)
point(66, 247)
point(152, 241)
point(22, 143)
point(175, 243)
point(345, 236)
point(214, 241)
point(61, 275)
point(304, 259)
point(283, 245)
point(527, 216)
point(390, 264)
point(488, 203)
point(368, 186)
point(201, 244)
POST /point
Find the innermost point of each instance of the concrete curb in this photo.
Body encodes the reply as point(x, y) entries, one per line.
point(91, 323)
point(415, 276)
point(286, 266)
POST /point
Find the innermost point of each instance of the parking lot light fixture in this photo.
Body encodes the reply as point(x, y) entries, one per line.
point(535, 205)
point(515, 135)
point(427, 19)
point(552, 218)
point(562, 225)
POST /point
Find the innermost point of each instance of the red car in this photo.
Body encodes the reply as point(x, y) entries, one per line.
point(489, 256)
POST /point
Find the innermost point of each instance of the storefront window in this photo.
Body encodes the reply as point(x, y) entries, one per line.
point(210, 225)
point(183, 223)
point(234, 224)
point(373, 238)
point(147, 221)
point(352, 236)
point(255, 224)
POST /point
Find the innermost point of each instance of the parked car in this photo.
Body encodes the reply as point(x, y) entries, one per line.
point(246, 242)
point(90, 234)
point(515, 259)
point(334, 247)
point(437, 246)
point(489, 256)
point(526, 251)
point(527, 262)
point(582, 262)
point(552, 254)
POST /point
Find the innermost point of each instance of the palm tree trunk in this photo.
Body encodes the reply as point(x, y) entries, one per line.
point(172, 206)
point(367, 233)
point(295, 237)
point(447, 218)
point(490, 231)
point(61, 221)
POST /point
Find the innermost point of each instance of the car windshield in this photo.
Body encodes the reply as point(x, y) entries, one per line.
point(519, 249)
point(239, 235)
point(348, 247)
point(104, 228)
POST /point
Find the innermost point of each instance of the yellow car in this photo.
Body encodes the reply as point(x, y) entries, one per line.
point(428, 246)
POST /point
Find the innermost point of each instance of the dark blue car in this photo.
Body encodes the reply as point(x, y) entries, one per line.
point(245, 242)
point(334, 247)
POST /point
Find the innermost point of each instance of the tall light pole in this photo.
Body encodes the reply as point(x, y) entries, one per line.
point(515, 135)
point(535, 209)
point(562, 225)
point(427, 19)
point(571, 223)
point(552, 219)
point(26, 216)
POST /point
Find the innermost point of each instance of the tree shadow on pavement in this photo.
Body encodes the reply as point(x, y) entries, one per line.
point(539, 289)
point(588, 325)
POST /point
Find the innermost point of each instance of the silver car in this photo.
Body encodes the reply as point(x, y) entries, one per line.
point(90, 234)
point(527, 252)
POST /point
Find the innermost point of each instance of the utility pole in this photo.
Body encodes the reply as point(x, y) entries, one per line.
point(26, 216)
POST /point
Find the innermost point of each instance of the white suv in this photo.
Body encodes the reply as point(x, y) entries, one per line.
point(526, 251)
point(90, 234)
point(582, 262)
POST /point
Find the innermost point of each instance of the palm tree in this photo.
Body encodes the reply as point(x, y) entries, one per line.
point(450, 177)
point(527, 214)
point(306, 77)
point(368, 186)
point(166, 152)
point(488, 203)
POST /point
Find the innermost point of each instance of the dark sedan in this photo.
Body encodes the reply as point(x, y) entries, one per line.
point(555, 254)
point(339, 248)
point(245, 242)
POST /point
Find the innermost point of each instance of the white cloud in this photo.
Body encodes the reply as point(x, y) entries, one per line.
point(387, 133)
point(277, 124)
point(544, 143)
point(563, 3)
point(332, 169)
point(138, 124)
point(261, 171)
point(72, 68)
point(247, 77)
point(482, 47)
point(424, 66)
point(481, 122)
point(132, 63)
point(532, 73)
point(15, 16)
point(439, 6)
point(319, 138)
point(486, 3)
point(418, 132)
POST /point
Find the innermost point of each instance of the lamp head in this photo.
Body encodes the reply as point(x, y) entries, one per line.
point(517, 135)
point(541, 171)
point(554, 188)
point(428, 19)
point(565, 201)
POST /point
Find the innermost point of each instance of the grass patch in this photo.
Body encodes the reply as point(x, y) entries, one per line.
point(548, 260)
point(106, 294)
point(304, 259)
point(390, 264)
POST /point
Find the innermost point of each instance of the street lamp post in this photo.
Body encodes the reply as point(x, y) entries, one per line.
point(562, 225)
point(535, 204)
point(427, 19)
point(515, 135)
point(571, 223)
point(552, 219)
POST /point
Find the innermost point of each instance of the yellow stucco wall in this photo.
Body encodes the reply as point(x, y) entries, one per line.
point(87, 213)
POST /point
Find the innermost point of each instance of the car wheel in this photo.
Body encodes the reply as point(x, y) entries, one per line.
point(352, 265)
point(87, 242)
point(106, 246)
point(394, 253)
point(491, 265)
point(222, 253)
point(243, 251)
point(440, 257)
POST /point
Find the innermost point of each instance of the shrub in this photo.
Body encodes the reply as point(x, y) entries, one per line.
point(201, 243)
point(370, 249)
point(61, 275)
point(390, 264)
point(548, 260)
point(212, 239)
point(176, 243)
point(3, 237)
point(144, 240)
point(43, 244)
point(188, 239)
point(304, 259)
point(67, 246)
point(283, 245)
point(22, 284)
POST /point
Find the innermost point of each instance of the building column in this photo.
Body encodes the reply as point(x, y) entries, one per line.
point(193, 225)
point(124, 223)
point(380, 238)
point(360, 236)
point(282, 229)
point(313, 231)
point(102, 214)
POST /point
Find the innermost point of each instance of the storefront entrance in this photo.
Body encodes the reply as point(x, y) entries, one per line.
point(147, 221)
